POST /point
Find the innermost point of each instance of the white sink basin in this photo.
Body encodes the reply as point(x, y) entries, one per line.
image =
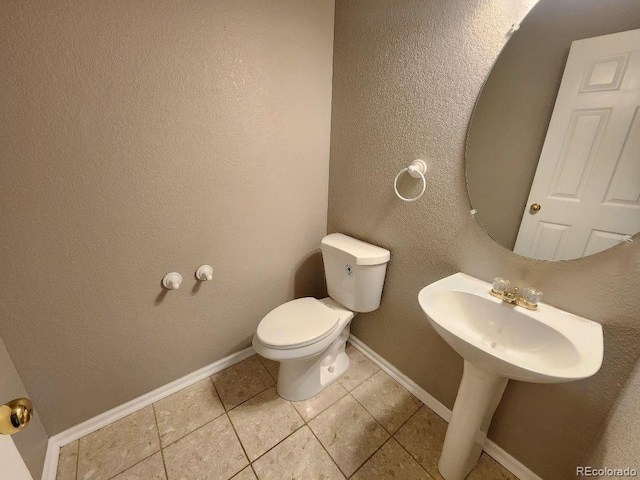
point(498, 342)
point(547, 345)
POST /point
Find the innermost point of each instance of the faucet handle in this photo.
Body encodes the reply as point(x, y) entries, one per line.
point(531, 295)
point(501, 285)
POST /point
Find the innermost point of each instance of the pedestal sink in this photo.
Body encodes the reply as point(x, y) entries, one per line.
point(499, 342)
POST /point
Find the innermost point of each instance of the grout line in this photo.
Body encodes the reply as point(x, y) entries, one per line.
point(216, 392)
point(253, 469)
point(418, 463)
point(305, 423)
point(131, 466)
point(135, 464)
point(193, 431)
point(262, 455)
point(77, 461)
point(363, 380)
point(370, 456)
point(122, 471)
point(410, 417)
point(400, 443)
point(233, 427)
point(384, 429)
point(187, 434)
point(327, 407)
point(164, 463)
point(246, 400)
point(241, 445)
point(227, 410)
point(263, 364)
point(314, 433)
point(230, 423)
point(325, 449)
point(223, 413)
point(391, 434)
point(372, 415)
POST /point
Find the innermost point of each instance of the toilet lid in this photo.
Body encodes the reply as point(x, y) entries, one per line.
point(297, 323)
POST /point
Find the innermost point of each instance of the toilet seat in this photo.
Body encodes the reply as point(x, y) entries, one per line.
point(298, 323)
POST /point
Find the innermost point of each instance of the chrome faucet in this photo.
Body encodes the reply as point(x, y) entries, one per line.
point(528, 299)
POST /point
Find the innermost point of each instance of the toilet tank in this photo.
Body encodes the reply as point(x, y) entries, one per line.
point(355, 271)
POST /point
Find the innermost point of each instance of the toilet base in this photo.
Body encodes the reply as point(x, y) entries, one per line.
point(301, 379)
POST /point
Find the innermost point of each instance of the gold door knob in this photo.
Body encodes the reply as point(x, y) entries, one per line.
point(534, 208)
point(15, 415)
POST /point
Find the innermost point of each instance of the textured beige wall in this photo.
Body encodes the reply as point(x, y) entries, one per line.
point(512, 115)
point(406, 76)
point(620, 444)
point(32, 441)
point(143, 137)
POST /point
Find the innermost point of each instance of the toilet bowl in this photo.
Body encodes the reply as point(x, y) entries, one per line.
point(308, 335)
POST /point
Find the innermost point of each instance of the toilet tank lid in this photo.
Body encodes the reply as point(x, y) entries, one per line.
point(357, 251)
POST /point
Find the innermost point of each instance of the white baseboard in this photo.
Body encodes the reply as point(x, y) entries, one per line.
point(104, 419)
point(402, 379)
point(507, 461)
point(51, 460)
point(492, 449)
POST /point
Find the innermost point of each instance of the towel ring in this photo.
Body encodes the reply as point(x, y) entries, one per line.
point(417, 169)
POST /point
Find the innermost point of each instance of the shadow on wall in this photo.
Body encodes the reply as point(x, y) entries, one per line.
point(164, 291)
point(309, 277)
point(161, 296)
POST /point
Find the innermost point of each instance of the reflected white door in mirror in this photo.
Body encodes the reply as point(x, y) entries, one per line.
point(587, 183)
point(13, 466)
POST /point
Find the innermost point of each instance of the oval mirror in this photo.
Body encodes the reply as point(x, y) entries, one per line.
point(553, 147)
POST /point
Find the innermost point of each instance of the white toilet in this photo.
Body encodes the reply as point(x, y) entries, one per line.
point(308, 336)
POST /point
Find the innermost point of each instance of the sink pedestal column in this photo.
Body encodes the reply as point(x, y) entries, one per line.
point(477, 400)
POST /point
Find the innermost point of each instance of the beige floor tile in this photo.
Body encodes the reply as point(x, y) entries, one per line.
point(489, 469)
point(116, 447)
point(298, 457)
point(360, 368)
point(186, 410)
point(391, 461)
point(388, 401)
point(315, 405)
point(349, 433)
point(212, 452)
point(150, 469)
point(271, 366)
point(68, 462)
point(246, 474)
point(422, 436)
point(242, 381)
point(264, 421)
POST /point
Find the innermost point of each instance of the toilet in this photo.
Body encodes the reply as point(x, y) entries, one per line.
point(308, 335)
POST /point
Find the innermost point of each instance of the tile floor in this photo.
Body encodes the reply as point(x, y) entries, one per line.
point(234, 426)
